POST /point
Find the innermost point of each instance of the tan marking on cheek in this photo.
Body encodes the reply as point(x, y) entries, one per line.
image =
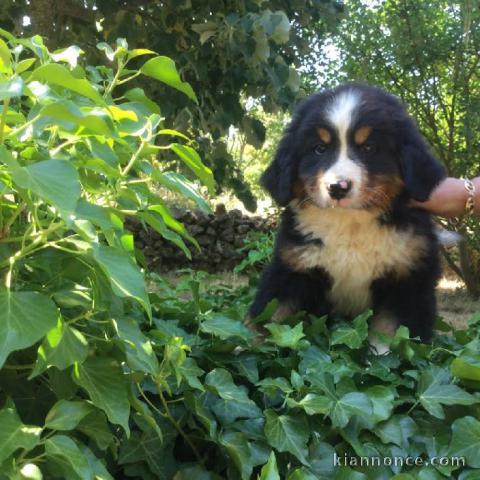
point(356, 250)
point(325, 135)
point(362, 134)
point(381, 191)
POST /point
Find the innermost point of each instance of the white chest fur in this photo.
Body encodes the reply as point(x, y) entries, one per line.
point(356, 250)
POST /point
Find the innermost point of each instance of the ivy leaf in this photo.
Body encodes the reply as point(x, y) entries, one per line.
point(245, 455)
point(434, 391)
point(220, 381)
point(66, 415)
point(353, 336)
point(14, 434)
point(466, 366)
point(313, 404)
point(66, 453)
point(25, 317)
point(104, 381)
point(301, 474)
point(284, 335)
point(61, 347)
point(223, 327)
point(164, 69)
point(95, 426)
point(124, 275)
point(353, 403)
point(58, 75)
point(466, 440)
point(193, 161)
point(382, 399)
point(148, 447)
point(139, 351)
point(286, 433)
point(191, 371)
point(234, 402)
point(397, 429)
point(270, 470)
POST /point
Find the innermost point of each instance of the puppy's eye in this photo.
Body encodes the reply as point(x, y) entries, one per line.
point(320, 148)
point(367, 148)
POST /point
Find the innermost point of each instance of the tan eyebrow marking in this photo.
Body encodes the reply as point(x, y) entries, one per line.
point(325, 135)
point(362, 134)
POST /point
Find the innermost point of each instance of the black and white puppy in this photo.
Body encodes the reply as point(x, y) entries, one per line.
point(346, 169)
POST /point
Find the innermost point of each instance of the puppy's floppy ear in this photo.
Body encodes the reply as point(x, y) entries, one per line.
point(421, 171)
point(278, 177)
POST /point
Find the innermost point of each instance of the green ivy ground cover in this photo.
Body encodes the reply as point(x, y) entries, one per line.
point(102, 377)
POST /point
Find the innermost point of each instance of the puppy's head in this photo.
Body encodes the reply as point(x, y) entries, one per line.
point(352, 147)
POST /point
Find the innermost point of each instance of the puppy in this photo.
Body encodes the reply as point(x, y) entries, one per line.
point(346, 169)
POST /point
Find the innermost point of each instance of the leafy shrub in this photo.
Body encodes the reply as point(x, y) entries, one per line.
point(259, 246)
point(80, 152)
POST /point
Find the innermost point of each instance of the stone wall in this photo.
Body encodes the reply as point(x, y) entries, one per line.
point(220, 236)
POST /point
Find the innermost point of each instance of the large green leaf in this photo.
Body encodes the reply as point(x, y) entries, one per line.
point(61, 347)
point(221, 382)
point(284, 335)
point(140, 354)
point(176, 182)
point(11, 88)
point(466, 440)
point(353, 336)
point(105, 383)
point(54, 74)
point(223, 327)
point(14, 434)
point(466, 366)
point(124, 275)
point(349, 405)
point(398, 429)
point(270, 470)
point(96, 426)
point(25, 317)
point(193, 161)
point(66, 415)
point(313, 404)
point(245, 455)
point(158, 224)
point(234, 402)
point(94, 121)
point(434, 391)
point(66, 453)
point(55, 181)
point(288, 433)
point(163, 69)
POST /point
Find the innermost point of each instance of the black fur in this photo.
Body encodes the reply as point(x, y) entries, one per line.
point(400, 150)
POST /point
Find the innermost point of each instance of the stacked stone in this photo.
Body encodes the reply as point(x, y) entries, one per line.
point(220, 235)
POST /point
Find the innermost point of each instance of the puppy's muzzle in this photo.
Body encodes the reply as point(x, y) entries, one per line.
point(340, 189)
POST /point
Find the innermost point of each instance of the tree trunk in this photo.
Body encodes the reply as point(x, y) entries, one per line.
point(43, 18)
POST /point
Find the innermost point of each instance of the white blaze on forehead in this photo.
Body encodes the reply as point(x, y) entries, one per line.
point(340, 114)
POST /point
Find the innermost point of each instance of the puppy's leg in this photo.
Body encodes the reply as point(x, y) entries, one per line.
point(382, 323)
point(411, 302)
point(294, 290)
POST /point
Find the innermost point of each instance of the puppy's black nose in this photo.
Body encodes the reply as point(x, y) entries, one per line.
point(340, 189)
